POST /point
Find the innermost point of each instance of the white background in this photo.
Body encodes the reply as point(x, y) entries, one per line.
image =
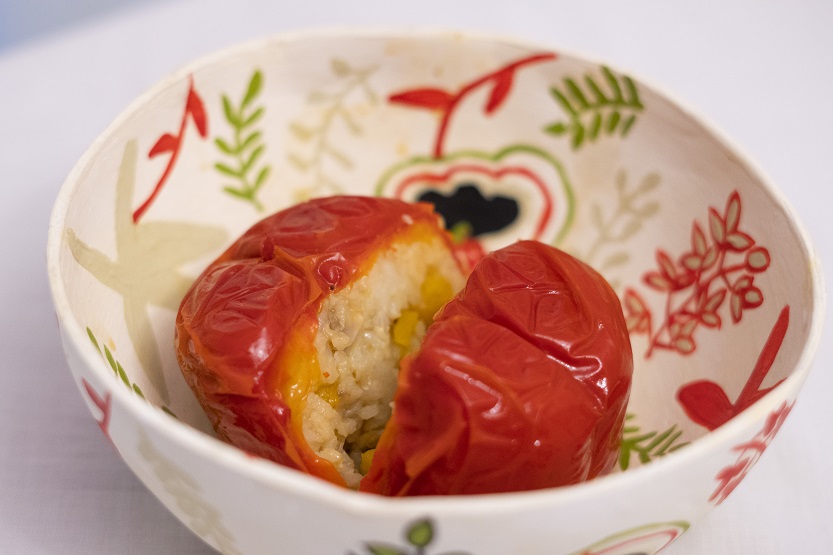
point(761, 71)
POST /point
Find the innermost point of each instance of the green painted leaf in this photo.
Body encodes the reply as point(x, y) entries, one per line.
point(226, 170)
point(562, 100)
point(420, 533)
point(578, 134)
point(664, 448)
point(624, 458)
point(613, 83)
point(631, 93)
point(229, 112)
point(601, 99)
point(558, 128)
point(254, 88)
point(256, 115)
point(93, 339)
point(252, 159)
point(239, 193)
point(109, 356)
point(613, 120)
point(261, 176)
point(249, 141)
point(575, 92)
point(225, 147)
point(122, 374)
point(138, 391)
point(627, 124)
point(595, 126)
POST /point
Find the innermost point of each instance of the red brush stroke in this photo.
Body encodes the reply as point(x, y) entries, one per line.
point(446, 102)
point(751, 451)
point(444, 178)
point(168, 143)
point(707, 404)
point(104, 405)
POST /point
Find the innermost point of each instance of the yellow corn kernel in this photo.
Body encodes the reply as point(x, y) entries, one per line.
point(329, 393)
point(435, 291)
point(367, 460)
point(403, 328)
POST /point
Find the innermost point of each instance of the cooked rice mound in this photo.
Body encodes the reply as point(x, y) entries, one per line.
point(364, 330)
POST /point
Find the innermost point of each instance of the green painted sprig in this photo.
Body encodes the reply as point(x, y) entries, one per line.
point(245, 147)
point(419, 535)
point(118, 369)
point(647, 446)
point(596, 107)
point(633, 207)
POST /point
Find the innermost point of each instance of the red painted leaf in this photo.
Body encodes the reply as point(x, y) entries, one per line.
point(166, 143)
point(429, 97)
point(698, 239)
point(715, 300)
point(503, 84)
point(666, 265)
point(716, 226)
point(657, 281)
point(739, 241)
point(706, 403)
point(196, 109)
point(736, 307)
point(732, 218)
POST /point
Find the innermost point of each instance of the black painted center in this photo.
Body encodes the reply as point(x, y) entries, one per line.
point(466, 204)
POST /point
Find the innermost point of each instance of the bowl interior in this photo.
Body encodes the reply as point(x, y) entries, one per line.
point(509, 141)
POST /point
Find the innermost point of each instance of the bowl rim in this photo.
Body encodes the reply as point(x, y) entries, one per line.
point(293, 482)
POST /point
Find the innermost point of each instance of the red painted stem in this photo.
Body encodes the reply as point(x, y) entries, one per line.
point(174, 155)
point(765, 359)
point(462, 93)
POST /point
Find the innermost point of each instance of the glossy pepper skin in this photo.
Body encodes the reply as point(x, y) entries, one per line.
point(244, 331)
point(520, 384)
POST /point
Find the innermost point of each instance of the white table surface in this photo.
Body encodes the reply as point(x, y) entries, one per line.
point(763, 73)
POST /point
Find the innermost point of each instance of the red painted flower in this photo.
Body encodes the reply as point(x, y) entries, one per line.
point(720, 265)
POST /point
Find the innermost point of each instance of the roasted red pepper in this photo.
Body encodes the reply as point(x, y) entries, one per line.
point(244, 331)
point(521, 383)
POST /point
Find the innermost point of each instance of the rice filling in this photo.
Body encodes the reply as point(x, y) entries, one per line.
point(364, 330)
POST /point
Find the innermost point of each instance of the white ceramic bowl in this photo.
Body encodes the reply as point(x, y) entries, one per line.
point(721, 289)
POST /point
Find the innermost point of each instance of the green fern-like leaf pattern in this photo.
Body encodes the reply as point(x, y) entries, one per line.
point(118, 369)
point(596, 106)
point(243, 151)
point(614, 227)
point(315, 153)
point(647, 446)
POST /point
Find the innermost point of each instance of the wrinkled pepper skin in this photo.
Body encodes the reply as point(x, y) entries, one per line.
point(521, 383)
point(245, 329)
